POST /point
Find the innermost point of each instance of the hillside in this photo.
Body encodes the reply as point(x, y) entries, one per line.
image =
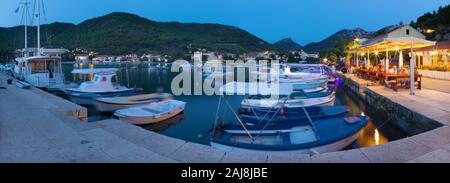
point(439, 21)
point(288, 44)
point(330, 41)
point(122, 33)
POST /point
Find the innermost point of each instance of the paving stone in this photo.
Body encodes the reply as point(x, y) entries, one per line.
point(433, 138)
point(161, 144)
point(398, 151)
point(289, 158)
point(197, 153)
point(437, 156)
point(235, 157)
point(349, 156)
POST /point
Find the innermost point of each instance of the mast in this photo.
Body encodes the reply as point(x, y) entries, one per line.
point(38, 16)
point(26, 23)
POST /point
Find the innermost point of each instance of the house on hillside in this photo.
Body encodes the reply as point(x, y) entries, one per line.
point(81, 57)
point(152, 57)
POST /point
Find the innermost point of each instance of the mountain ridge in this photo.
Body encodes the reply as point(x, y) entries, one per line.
point(288, 44)
point(123, 33)
point(331, 40)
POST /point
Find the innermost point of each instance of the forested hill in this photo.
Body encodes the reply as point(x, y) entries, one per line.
point(122, 33)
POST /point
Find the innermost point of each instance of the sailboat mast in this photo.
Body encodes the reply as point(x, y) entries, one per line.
point(26, 23)
point(38, 16)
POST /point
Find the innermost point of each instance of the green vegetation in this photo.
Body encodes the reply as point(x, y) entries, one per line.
point(332, 40)
point(288, 44)
point(339, 50)
point(438, 21)
point(123, 33)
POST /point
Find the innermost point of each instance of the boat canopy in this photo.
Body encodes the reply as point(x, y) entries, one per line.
point(102, 71)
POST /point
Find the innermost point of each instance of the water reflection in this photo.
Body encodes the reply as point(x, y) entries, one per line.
point(200, 110)
point(371, 136)
point(164, 125)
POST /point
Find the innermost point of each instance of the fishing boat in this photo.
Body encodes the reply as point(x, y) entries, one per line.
point(151, 113)
point(307, 71)
point(320, 136)
point(38, 66)
point(111, 104)
point(293, 100)
point(264, 73)
point(100, 86)
point(303, 85)
point(290, 115)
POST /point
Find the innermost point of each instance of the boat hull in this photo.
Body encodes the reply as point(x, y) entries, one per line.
point(335, 146)
point(88, 99)
point(105, 105)
point(292, 116)
point(149, 120)
point(322, 101)
point(317, 137)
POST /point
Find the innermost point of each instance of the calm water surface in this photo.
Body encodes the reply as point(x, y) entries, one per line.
point(193, 125)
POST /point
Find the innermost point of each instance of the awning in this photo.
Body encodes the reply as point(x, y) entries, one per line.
point(440, 45)
point(390, 44)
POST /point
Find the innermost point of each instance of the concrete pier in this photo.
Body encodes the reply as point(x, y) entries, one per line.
point(36, 126)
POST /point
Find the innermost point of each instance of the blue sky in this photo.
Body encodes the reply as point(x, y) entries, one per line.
point(271, 20)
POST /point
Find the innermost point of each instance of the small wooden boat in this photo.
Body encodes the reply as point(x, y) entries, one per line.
point(111, 104)
point(291, 115)
point(321, 136)
point(294, 100)
point(151, 113)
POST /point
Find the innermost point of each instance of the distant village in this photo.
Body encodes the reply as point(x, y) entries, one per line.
point(202, 55)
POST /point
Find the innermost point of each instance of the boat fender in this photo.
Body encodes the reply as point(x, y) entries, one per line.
point(282, 110)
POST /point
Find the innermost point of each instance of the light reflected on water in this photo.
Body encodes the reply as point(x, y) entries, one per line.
point(377, 137)
point(371, 136)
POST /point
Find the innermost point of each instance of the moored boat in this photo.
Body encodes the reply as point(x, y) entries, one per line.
point(111, 104)
point(151, 113)
point(318, 137)
point(291, 115)
point(100, 86)
point(307, 71)
point(294, 100)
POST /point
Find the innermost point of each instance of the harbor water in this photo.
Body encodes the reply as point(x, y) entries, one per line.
point(195, 123)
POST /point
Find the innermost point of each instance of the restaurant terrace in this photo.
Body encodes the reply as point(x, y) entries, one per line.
point(393, 43)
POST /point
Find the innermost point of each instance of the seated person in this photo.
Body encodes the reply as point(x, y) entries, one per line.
point(393, 70)
point(403, 81)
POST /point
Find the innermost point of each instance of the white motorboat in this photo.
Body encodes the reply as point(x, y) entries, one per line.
point(306, 71)
point(111, 104)
point(101, 86)
point(151, 113)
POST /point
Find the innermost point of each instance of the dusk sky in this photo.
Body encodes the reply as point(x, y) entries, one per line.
point(271, 20)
